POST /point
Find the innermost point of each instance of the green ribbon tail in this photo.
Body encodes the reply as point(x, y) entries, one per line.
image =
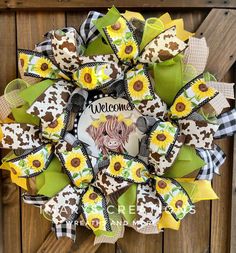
point(34, 91)
point(45, 182)
point(125, 201)
point(187, 161)
point(168, 78)
point(21, 116)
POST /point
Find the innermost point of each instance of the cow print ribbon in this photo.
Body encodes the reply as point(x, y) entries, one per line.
point(125, 168)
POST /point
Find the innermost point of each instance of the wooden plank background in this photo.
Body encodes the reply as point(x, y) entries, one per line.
point(24, 230)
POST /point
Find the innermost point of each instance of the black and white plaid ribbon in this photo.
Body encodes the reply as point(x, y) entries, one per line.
point(88, 30)
point(65, 229)
point(227, 122)
point(214, 159)
point(36, 200)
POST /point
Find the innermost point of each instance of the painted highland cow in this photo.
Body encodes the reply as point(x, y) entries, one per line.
point(111, 132)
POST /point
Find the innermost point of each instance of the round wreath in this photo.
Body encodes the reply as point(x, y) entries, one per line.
point(107, 122)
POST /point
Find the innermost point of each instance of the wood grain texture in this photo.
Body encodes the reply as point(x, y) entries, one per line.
point(219, 29)
point(59, 4)
point(10, 192)
point(31, 27)
point(220, 212)
point(136, 242)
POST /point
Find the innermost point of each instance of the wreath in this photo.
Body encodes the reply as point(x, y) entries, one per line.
point(109, 122)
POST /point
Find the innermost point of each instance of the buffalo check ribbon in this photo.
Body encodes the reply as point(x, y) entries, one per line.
point(152, 192)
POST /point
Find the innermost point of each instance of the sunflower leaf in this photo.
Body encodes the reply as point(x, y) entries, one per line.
point(166, 197)
point(128, 35)
point(117, 42)
point(22, 163)
point(129, 163)
point(75, 175)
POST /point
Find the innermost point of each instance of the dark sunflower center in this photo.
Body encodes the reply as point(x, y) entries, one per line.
point(22, 62)
point(180, 107)
point(117, 166)
point(93, 196)
point(138, 85)
point(161, 137)
point(36, 163)
point(95, 222)
point(13, 171)
point(179, 203)
point(162, 184)
point(138, 172)
point(54, 124)
point(128, 49)
point(44, 66)
point(116, 26)
point(75, 162)
point(202, 87)
point(87, 78)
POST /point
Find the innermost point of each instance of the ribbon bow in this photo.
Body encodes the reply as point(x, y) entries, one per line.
point(81, 197)
point(167, 137)
point(153, 193)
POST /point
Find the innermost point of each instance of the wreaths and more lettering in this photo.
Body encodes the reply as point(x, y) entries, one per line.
point(109, 120)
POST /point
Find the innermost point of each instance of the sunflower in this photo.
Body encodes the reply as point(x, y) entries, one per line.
point(182, 107)
point(87, 78)
point(75, 162)
point(35, 162)
point(55, 127)
point(16, 170)
point(96, 222)
point(117, 29)
point(117, 164)
point(162, 187)
point(138, 172)
point(43, 67)
point(128, 50)
point(201, 90)
point(138, 87)
point(161, 139)
point(24, 60)
point(179, 202)
point(91, 197)
point(83, 180)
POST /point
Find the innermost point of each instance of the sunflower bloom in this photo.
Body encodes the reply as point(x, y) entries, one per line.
point(117, 164)
point(162, 187)
point(128, 50)
point(91, 197)
point(201, 90)
point(138, 87)
point(36, 162)
point(83, 180)
point(182, 107)
point(43, 67)
point(138, 172)
point(179, 202)
point(161, 139)
point(96, 222)
point(75, 162)
point(55, 127)
point(16, 170)
point(24, 60)
point(117, 29)
point(87, 78)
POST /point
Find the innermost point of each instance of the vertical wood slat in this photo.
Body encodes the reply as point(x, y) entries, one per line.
point(10, 192)
point(31, 26)
point(219, 29)
point(220, 213)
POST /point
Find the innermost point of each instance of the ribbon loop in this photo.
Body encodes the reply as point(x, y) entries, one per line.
point(33, 162)
point(76, 163)
point(174, 197)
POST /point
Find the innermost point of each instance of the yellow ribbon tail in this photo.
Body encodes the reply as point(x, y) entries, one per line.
point(168, 221)
point(181, 33)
